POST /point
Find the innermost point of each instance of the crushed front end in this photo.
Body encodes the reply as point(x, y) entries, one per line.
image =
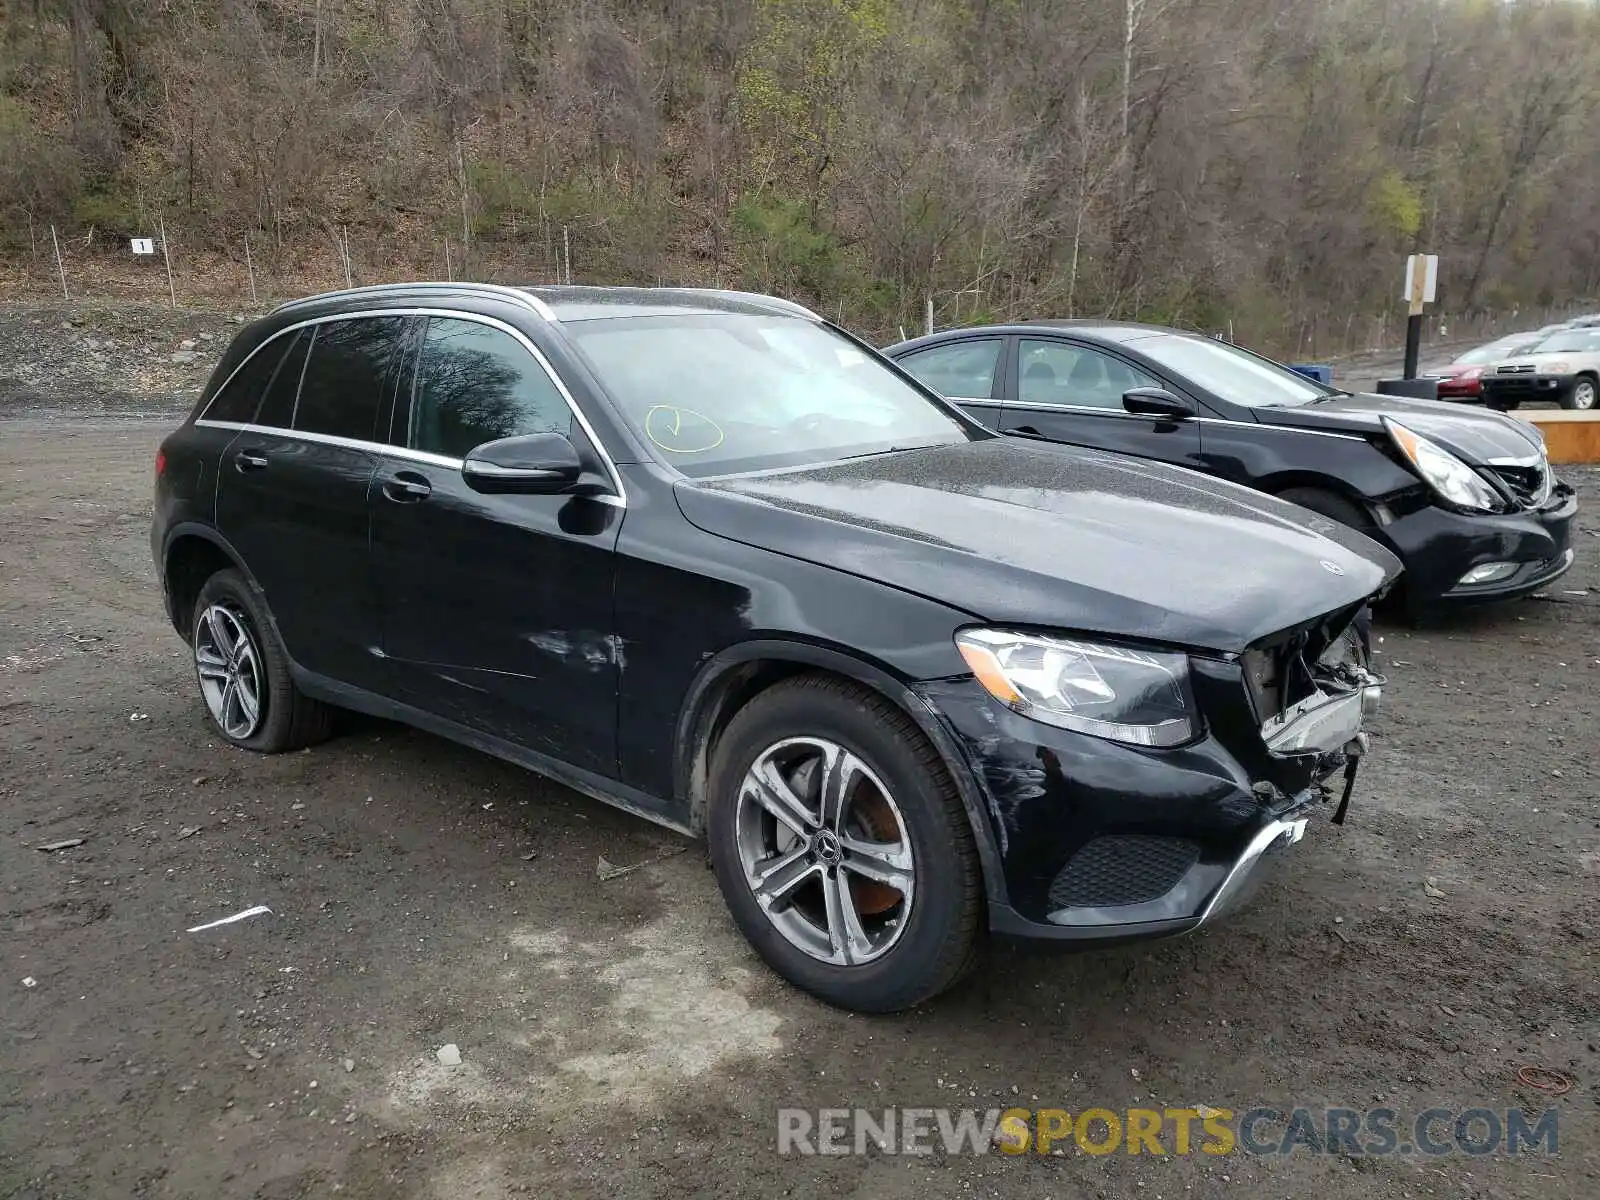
point(1100, 840)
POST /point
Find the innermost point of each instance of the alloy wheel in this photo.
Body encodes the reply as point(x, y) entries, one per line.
point(1583, 394)
point(825, 850)
point(229, 665)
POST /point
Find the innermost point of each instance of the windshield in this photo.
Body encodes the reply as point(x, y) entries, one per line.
point(1231, 373)
point(1570, 341)
point(731, 392)
point(1500, 349)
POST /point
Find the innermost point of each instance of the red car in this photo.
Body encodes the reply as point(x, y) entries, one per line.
point(1462, 379)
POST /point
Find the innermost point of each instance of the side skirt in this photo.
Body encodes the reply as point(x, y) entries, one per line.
point(598, 787)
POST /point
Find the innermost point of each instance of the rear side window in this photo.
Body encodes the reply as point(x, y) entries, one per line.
point(962, 369)
point(344, 381)
point(277, 410)
point(475, 384)
point(240, 396)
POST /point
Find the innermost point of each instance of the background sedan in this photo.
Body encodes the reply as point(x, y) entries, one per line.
point(1464, 497)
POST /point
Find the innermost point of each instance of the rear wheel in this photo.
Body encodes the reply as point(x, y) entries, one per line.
point(842, 848)
point(1582, 395)
point(243, 672)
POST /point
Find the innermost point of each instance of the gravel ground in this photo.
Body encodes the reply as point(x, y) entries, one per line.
point(617, 1037)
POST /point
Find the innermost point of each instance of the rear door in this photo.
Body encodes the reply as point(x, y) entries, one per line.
point(496, 609)
point(967, 370)
point(1068, 391)
point(292, 493)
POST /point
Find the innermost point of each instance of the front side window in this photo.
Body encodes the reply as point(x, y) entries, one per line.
point(1227, 371)
point(1051, 372)
point(476, 384)
point(958, 369)
point(718, 393)
point(350, 365)
point(241, 395)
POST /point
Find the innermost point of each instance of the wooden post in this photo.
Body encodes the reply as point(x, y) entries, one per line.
point(1419, 289)
point(344, 251)
point(172, 292)
point(55, 241)
point(449, 271)
point(566, 254)
point(250, 267)
point(930, 314)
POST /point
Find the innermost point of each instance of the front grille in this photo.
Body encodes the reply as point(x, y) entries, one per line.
point(1515, 369)
point(1122, 869)
point(1530, 483)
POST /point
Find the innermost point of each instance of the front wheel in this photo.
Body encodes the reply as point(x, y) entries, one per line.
point(1582, 395)
point(842, 847)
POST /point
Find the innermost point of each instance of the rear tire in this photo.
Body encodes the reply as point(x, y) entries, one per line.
point(243, 672)
point(1582, 396)
point(884, 946)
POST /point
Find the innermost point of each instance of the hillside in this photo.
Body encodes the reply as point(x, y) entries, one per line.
point(1192, 161)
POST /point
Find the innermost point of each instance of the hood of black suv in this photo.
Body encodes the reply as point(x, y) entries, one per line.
point(1056, 536)
point(1474, 435)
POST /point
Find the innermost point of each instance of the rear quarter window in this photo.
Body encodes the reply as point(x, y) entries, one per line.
point(240, 396)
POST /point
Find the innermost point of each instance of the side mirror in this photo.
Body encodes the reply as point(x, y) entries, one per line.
point(1156, 402)
point(537, 464)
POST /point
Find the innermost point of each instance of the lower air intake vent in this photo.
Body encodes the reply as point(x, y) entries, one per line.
point(1122, 869)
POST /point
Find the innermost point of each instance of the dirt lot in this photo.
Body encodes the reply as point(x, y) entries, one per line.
point(618, 1039)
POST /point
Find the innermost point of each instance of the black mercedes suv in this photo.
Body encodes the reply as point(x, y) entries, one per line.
point(708, 558)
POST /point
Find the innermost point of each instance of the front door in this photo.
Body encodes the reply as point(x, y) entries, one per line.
point(1068, 392)
point(496, 609)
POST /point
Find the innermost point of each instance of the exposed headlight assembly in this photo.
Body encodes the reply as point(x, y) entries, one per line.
point(1446, 474)
point(1140, 697)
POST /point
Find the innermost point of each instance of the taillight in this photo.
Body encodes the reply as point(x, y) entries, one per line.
point(161, 463)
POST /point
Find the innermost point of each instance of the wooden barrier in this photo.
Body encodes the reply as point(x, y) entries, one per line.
point(1571, 437)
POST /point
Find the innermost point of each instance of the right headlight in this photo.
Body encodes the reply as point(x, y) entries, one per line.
point(1446, 474)
point(1140, 697)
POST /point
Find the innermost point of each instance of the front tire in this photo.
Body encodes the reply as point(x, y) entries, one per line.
point(1329, 504)
point(243, 672)
point(842, 847)
point(1582, 396)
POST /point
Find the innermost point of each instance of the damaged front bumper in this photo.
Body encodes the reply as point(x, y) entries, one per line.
point(1102, 842)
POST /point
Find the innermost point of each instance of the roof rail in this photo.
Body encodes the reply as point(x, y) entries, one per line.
point(778, 302)
point(515, 295)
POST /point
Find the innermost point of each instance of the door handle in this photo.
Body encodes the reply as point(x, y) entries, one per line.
point(1027, 431)
point(407, 487)
point(250, 460)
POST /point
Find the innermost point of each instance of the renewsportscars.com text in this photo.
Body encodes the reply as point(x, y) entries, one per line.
point(1373, 1132)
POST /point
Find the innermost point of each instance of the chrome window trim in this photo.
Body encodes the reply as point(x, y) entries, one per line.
point(1036, 406)
point(404, 451)
point(985, 402)
point(329, 439)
